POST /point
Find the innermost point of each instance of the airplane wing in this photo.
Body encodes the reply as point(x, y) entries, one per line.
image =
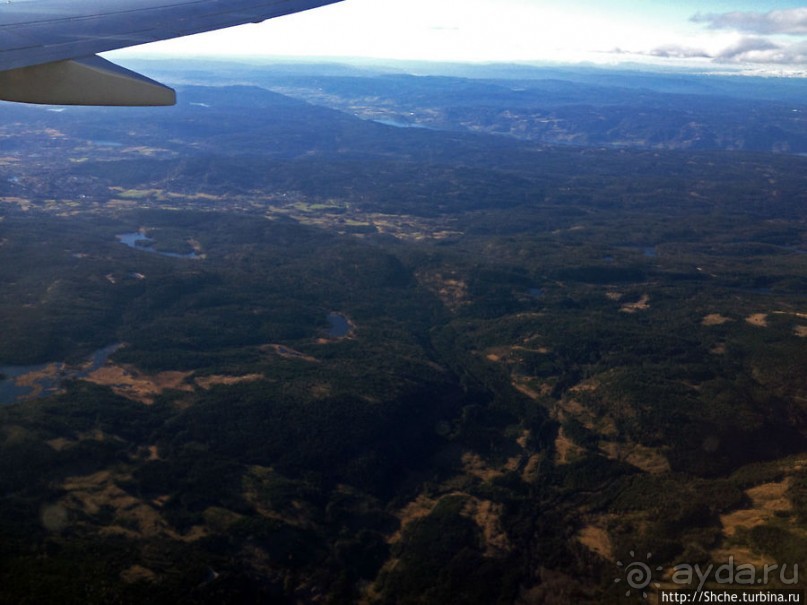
point(48, 47)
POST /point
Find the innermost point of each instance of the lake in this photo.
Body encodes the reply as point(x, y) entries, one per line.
point(340, 325)
point(131, 239)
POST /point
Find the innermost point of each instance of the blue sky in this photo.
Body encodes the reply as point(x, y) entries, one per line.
point(759, 36)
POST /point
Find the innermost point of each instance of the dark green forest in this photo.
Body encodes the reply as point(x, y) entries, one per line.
point(556, 356)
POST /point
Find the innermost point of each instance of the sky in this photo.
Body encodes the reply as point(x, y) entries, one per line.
point(758, 35)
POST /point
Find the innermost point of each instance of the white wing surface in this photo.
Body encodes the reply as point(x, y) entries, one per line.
point(48, 47)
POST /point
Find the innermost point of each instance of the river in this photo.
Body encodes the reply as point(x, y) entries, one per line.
point(41, 380)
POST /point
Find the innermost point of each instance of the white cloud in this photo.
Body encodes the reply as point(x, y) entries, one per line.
point(746, 47)
point(676, 51)
point(792, 54)
point(768, 45)
point(789, 21)
point(568, 31)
